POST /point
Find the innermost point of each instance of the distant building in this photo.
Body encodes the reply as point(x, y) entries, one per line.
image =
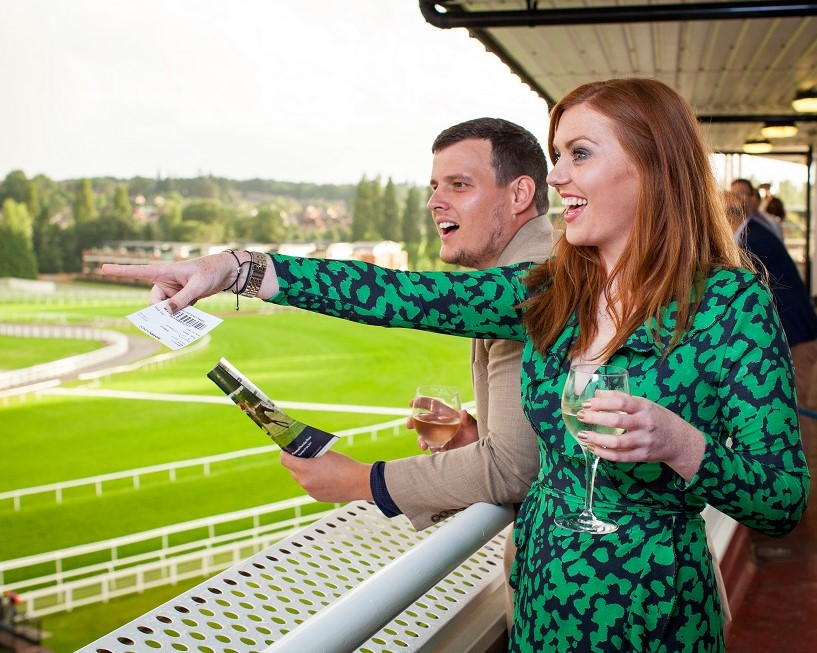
point(141, 252)
point(384, 253)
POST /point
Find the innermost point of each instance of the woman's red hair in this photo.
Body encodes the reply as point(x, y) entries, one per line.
point(679, 235)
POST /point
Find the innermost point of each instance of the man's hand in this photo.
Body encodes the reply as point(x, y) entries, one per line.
point(332, 477)
point(466, 434)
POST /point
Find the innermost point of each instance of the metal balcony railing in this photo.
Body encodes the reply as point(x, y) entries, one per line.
point(352, 581)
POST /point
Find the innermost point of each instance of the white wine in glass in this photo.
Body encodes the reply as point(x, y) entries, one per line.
point(581, 385)
point(436, 414)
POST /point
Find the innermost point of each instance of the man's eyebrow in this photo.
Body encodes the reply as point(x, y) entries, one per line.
point(455, 177)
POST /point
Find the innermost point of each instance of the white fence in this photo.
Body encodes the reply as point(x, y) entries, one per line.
point(117, 346)
point(206, 463)
point(56, 581)
point(51, 295)
point(133, 475)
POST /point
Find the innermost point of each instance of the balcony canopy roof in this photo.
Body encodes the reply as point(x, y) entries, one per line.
point(740, 64)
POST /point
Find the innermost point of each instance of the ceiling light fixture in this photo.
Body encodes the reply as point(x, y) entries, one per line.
point(778, 130)
point(805, 101)
point(757, 146)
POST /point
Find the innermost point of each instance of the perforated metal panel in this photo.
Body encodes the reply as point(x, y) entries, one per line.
point(254, 604)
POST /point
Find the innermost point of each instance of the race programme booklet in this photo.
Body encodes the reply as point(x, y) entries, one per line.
point(292, 436)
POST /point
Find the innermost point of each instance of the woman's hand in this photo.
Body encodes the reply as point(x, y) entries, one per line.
point(653, 433)
point(184, 282)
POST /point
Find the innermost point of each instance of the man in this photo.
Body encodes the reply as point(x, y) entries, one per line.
point(748, 194)
point(489, 206)
point(790, 294)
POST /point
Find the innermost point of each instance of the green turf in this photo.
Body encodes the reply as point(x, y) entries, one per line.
point(43, 525)
point(291, 355)
point(26, 352)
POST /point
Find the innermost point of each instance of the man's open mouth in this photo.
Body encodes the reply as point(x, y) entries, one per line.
point(447, 227)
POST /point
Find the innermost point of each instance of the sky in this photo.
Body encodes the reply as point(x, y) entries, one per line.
point(321, 91)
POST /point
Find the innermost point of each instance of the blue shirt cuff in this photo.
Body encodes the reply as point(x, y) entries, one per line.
point(380, 493)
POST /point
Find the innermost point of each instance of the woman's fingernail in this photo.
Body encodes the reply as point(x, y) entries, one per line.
point(585, 404)
point(172, 308)
point(580, 415)
point(582, 435)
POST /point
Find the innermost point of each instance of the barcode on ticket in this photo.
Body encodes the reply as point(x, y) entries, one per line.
point(189, 320)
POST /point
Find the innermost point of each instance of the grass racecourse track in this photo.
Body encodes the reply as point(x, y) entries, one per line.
point(291, 355)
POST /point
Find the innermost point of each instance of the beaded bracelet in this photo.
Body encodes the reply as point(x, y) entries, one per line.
point(250, 269)
point(234, 284)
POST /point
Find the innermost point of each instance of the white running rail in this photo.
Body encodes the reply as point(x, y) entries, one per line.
point(53, 580)
point(206, 463)
point(117, 345)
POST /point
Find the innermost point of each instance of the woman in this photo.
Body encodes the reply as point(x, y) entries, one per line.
point(646, 276)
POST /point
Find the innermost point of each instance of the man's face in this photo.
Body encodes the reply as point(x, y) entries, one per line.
point(745, 194)
point(470, 212)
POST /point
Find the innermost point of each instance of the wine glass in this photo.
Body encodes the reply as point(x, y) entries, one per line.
point(436, 414)
point(581, 385)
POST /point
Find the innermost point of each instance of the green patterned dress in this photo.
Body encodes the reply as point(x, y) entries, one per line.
point(649, 586)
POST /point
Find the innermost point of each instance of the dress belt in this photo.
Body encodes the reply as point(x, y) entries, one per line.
point(636, 509)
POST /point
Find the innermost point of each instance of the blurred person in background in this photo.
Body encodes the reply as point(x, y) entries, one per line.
point(771, 204)
point(745, 191)
point(791, 296)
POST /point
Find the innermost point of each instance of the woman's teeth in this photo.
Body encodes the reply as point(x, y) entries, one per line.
point(574, 201)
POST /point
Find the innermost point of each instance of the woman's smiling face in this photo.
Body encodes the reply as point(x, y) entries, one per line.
point(597, 180)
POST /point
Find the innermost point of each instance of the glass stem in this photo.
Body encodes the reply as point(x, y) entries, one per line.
point(591, 463)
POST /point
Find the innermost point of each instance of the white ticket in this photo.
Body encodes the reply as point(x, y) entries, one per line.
point(175, 331)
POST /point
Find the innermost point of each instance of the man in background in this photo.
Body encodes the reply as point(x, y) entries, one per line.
point(489, 206)
point(749, 196)
point(790, 294)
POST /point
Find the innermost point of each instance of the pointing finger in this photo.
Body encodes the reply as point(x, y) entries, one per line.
point(150, 272)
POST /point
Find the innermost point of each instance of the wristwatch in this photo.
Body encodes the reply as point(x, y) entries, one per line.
point(256, 275)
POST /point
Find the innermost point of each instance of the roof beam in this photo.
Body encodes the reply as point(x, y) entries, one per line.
point(758, 117)
point(447, 15)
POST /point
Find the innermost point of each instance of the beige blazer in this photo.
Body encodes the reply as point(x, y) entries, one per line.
point(500, 467)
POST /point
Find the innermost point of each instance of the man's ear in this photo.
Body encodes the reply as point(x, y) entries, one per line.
point(524, 190)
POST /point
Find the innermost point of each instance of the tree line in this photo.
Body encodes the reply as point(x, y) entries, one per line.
point(45, 224)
